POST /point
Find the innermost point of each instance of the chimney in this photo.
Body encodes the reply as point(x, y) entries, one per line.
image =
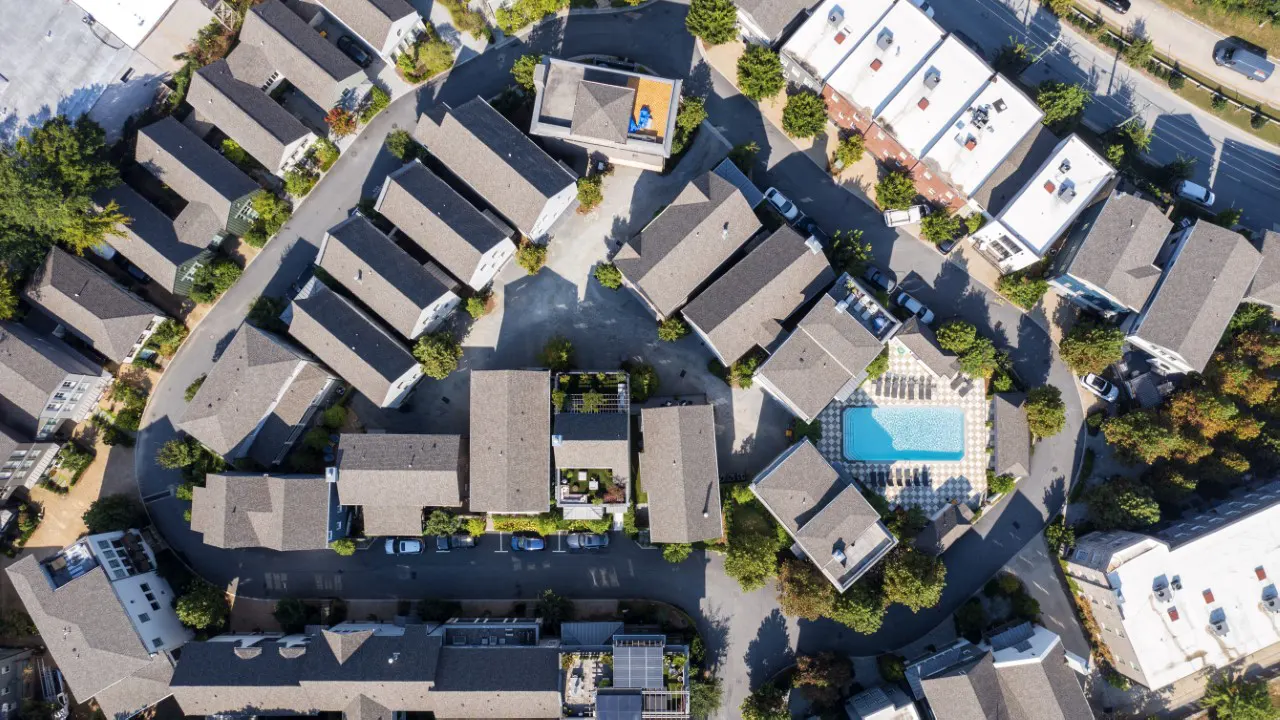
point(1049, 187)
point(923, 104)
point(971, 143)
point(876, 64)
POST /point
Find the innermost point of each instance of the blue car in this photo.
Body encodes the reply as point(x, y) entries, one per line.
point(522, 543)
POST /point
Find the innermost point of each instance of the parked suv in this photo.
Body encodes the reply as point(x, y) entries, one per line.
point(1197, 194)
point(785, 207)
point(908, 302)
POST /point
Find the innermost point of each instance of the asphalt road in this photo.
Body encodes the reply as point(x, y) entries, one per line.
point(746, 628)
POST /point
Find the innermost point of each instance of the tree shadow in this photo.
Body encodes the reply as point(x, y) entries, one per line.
point(770, 650)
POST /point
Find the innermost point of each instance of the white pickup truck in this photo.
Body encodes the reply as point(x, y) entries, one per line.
point(894, 218)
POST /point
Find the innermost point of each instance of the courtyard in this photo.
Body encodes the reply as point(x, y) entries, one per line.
point(926, 458)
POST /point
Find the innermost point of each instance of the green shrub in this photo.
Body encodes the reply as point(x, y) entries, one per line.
point(940, 226)
point(672, 329)
point(168, 337)
point(1023, 288)
point(714, 21)
point(343, 546)
point(426, 58)
point(522, 70)
point(439, 354)
point(677, 552)
point(377, 101)
point(1046, 413)
point(1176, 81)
point(213, 279)
point(299, 181)
point(522, 13)
point(805, 115)
point(848, 152)
point(608, 275)
point(1062, 103)
point(193, 388)
point(273, 212)
point(1000, 484)
point(974, 223)
point(557, 354)
point(879, 366)
point(590, 193)
point(232, 151)
point(1138, 51)
point(402, 145)
point(531, 257)
point(203, 607)
point(690, 116)
point(326, 153)
point(478, 305)
point(760, 72)
point(644, 381)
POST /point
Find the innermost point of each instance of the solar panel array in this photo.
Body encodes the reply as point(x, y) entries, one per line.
point(637, 662)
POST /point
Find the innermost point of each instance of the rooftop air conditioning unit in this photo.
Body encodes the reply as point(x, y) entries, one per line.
point(885, 41)
point(1220, 628)
point(932, 78)
point(1163, 594)
point(1176, 583)
point(999, 105)
point(1272, 604)
point(1067, 193)
point(1065, 167)
point(836, 16)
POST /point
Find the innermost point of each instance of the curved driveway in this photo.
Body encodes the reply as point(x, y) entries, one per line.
point(746, 628)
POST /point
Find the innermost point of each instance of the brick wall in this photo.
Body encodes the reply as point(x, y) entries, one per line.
point(934, 187)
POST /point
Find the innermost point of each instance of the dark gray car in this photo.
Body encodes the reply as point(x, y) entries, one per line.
point(586, 541)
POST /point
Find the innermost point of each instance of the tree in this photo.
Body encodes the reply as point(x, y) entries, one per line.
point(1139, 51)
point(1001, 484)
point(1208, 413)
point(439, 354)
point(848, 152)
point(802, 591)
point(743, 155)
point(232, 151)
point(273, 212)
point(1059, 536)
point(714, 21)
point(557, 354)
point(554, 609)
point(177, 453)
point(111, 513)
point(1091, 348)
point(940, 226)
point(202, 607)
point(1115, 154)
point(167, 337)
point(914, 579)
point(672, 329)
point(441, 522)
point(1135, 135)
point(861, 608)
point(879, 366)
point(71, 154)
point(760, 72)
point(805, 115)
point(956, 336)
point(1228, 218)
point(1062, 103)
point(1123, 503)
point(341, 122)
point(590, 193)
point(1142, 435)
point(523, 69)
point(345, 547)
point(705, 697)
point(847, 253)
point(1023, 288)
point(980, 359)
point(608, 275)
point(1231, 697)
point(298, 181)
point(690, 116)
point(895, 191)
point(752, 559)
point(768, 702)
point(822, 678)
point(1046, 413)
point(292, 614)
point(531, 257)
point(676, 552)
point(8, 298)
point(1249, 316)
point(1061, 8)
point(402, 145)
point(971, 620)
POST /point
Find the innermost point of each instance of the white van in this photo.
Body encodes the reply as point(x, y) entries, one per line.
point(1197, 194)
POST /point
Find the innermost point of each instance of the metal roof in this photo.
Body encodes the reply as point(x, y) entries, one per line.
point(637, 661)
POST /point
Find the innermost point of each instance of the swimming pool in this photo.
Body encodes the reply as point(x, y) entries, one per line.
point(889, 434)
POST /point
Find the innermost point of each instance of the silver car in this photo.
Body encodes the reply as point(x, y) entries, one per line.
point(587, 541)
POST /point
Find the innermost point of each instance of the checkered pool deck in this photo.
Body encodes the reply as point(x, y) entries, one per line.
point(926, 484)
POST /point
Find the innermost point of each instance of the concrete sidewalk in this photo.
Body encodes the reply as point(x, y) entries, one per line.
point(1187, 41)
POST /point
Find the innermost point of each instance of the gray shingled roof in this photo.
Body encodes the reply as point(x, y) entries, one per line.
point(922, 343)
point(773, 16)
point(191, 168)
point(747, 305)
point(401, 470)
point(245, 113)
point(370, 19)
point(153, 242)
point(1265, 287)
point(327, 674)
point(510, 441)
point(593, 440)
point(959, 686)
point(1048, 689)
point(249, 381)
point(680, 473)
point(822, 512)
point(494, 158)
point(829, 350)
point(948, 524)
point(706, 224)
point(1013, 438)
point(1198, 295)
point(91, 638)
point(89, 303)
point(277, 429)
point(280, 512)
point(602, 111)
point(391, 520)
point(274, 39)
point(513, 682)
point(438, 219)
point(969, 691)
point(1119, 250)
point(31, 368)
point(381, 275)
point(349, 342)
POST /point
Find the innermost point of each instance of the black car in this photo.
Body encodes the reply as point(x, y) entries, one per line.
point(809, 227)
point(946, 246)
point(353, 50)
point(1119, 6)
point(457, 541)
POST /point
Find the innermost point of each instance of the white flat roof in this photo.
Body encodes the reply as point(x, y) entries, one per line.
point(130, 20)
point(832, 32)
point(1056, 195)
point(1225, 563)
point(949, 79)
point(996, 121)
point(897, 45)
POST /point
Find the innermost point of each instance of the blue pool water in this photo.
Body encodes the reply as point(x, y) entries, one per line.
point(888, 434)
